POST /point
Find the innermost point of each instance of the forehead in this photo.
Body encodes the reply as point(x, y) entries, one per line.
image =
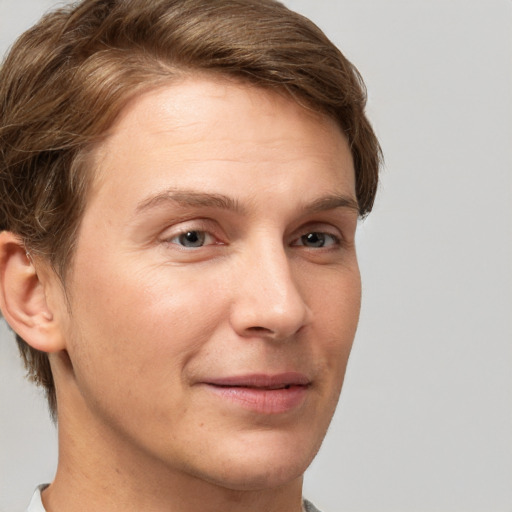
point(189, 132)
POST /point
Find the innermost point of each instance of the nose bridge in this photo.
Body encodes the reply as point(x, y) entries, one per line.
point(269, 298)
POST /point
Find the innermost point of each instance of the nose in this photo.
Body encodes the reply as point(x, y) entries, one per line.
point(268, 301)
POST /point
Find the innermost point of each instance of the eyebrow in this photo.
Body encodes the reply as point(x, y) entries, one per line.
point(191, 198)
point(332, 202)
point(212, 200)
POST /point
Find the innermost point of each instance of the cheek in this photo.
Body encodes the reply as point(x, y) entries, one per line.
point(336, 300)
point(147, 324)
point(337, 307)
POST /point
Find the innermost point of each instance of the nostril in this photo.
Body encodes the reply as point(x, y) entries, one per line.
point(259, 329)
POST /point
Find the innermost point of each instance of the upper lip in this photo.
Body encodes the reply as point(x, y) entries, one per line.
point(262, 381)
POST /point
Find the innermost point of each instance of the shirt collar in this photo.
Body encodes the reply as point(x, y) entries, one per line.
point(36, 505)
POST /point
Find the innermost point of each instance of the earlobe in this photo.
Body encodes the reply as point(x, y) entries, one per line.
point(23, 297)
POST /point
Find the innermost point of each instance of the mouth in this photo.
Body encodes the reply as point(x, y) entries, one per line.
point(263, 394)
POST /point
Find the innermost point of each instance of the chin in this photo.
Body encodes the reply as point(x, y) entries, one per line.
point(259, 478)
point(266, 464)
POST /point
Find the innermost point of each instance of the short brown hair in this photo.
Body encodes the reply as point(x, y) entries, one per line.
point(66, 79)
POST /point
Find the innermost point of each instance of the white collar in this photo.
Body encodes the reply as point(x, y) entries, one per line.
point(36, 505)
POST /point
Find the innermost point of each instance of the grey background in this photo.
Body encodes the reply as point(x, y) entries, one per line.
point(425, 421)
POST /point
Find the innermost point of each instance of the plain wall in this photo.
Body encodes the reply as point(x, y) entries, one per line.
point(425, 419)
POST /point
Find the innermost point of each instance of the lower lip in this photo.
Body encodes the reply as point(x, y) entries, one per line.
point(263, 401)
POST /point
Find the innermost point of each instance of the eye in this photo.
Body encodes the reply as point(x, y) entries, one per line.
point(317, 239)
point(192, 239)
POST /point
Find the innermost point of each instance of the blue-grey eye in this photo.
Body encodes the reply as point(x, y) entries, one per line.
point(316, 239)
point(191, 239)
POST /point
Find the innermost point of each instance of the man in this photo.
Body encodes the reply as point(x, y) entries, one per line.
point(181, 182)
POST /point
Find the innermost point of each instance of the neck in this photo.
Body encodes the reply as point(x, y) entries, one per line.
point(98, 470)
point(70, 494)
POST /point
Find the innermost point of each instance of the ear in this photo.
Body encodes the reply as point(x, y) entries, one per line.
point(23, 297)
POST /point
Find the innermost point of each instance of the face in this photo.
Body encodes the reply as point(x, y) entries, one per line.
point(214, 292)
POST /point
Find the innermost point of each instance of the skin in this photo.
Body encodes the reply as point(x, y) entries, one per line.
point(269, 287)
